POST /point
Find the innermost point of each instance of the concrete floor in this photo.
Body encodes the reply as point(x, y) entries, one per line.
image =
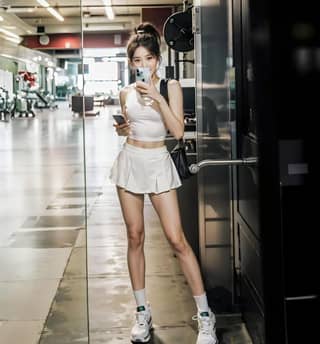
point(64, 277)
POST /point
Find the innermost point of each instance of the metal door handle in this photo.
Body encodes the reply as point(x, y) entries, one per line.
point(194, 168)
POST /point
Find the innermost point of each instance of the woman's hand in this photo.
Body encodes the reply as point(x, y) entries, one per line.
point(148, 90)
point(122, 129)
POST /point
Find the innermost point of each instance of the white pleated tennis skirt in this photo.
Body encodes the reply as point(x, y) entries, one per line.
point(145, 170)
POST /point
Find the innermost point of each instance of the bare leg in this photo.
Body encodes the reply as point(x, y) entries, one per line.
point(166, 206)
point(132, 210)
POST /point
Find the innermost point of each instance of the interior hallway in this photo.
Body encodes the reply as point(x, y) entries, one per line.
point(43, 277)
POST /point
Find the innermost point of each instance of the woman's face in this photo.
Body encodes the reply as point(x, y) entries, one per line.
point(143, 58)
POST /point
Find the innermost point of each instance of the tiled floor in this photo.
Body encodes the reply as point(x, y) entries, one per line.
point(47, 295)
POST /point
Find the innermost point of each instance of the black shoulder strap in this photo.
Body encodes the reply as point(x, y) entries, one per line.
point(164, 89)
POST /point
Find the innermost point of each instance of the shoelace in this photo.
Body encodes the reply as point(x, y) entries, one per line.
point(204, 323)
point(142, 318)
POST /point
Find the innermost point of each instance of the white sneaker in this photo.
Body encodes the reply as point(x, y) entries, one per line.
point(206, 328)
point(140, 332)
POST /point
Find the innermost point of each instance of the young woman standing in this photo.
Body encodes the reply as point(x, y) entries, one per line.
point(144, 166)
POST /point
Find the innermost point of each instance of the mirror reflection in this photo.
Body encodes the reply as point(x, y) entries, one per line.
point(65, 246)
point(42, 215)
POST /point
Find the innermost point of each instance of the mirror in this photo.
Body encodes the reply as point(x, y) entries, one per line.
point(43, 285)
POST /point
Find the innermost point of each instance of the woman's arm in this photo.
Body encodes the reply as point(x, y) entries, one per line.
point(122, 98)
point(172, 113)
point(123, 129)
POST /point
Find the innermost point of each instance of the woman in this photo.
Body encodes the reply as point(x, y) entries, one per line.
point(144, 166)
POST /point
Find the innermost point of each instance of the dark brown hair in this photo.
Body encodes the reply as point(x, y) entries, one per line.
point(147, 36)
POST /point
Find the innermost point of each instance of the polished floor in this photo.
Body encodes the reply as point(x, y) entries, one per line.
point(63, 272)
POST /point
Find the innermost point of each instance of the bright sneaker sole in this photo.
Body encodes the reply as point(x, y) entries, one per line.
point(145, 340)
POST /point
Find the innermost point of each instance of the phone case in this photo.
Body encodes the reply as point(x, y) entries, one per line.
point(143, 74)
point(119, 119)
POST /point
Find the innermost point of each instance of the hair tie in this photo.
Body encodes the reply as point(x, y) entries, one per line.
point(140, 32)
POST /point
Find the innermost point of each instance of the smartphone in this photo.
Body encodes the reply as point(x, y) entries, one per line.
point(119, 119)
point(143, 74)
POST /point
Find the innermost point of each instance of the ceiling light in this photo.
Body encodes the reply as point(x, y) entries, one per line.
point(12, 39)
point(108, 9)
point(1, 19)
point(109, 12)
point(43, 3)
point(9, 33)
point(15, 58)
point(51, 10)
point(106, 27)
point(55, 13)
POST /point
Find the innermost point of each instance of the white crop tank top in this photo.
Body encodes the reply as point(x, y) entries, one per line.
point(146, 123)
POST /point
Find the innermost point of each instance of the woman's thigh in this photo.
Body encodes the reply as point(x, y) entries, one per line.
point(132, 208)
point(167, 208)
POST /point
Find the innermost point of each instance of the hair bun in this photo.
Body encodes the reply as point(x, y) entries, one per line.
point(147, 36)
point(147, 28)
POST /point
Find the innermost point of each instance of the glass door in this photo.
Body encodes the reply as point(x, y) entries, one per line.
point(43, 280)
point(213, 48)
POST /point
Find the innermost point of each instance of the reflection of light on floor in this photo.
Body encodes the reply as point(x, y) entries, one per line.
point(65, 206)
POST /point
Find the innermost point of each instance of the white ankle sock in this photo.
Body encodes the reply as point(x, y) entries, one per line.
point(140, 296)
point(202, 303)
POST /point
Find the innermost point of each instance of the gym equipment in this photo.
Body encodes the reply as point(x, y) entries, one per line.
point(23, 105)
point(177, 31)
point(77, 106)
point(6, 105)
point(46, 101)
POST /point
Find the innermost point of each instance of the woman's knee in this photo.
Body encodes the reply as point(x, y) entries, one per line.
point(179, 244)
point(135, 234)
